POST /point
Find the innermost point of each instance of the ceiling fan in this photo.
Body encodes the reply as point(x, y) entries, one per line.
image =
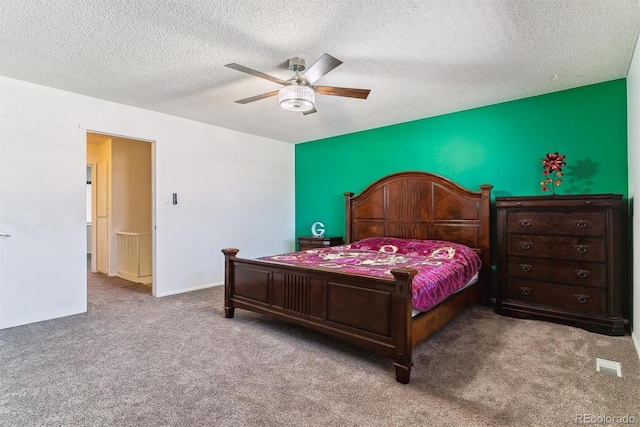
point(298, 93)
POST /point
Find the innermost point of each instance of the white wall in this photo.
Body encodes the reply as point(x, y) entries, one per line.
point(131, 190)
point(88, 225)
point(234, 189)
point(633, 114)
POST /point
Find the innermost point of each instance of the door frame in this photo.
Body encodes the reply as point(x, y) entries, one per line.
point(153, 198)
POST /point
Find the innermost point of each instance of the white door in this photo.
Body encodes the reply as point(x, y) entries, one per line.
point(42, 207)
point(102, 216)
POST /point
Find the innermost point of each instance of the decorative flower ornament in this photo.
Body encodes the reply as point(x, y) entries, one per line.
point(551, 165)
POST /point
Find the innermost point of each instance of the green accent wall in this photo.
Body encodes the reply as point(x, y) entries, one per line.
point(501, 144)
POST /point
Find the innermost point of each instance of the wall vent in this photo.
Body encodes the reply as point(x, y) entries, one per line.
point(608, 367)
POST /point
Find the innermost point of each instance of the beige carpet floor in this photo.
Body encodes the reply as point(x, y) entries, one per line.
point(136, 360)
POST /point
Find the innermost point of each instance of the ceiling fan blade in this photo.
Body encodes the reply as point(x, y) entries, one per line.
point(244, 69)
point(258, 97)
point(342, 91)
point(321, 67)
point(313, 110)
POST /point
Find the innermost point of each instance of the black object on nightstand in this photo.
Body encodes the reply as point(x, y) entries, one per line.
point(560, 259)
point(308, 242)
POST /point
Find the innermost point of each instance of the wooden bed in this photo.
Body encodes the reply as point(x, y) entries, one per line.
point(374, 313)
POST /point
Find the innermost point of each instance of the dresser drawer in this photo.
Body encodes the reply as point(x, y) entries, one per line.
point(579, 273)
point(577, 298)
point(558, 247)
point(557, 223)
point(550, 203)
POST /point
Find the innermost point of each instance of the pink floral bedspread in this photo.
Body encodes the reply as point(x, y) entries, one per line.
point(443, 267)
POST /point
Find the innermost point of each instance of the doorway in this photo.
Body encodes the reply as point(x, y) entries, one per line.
point(120, 231)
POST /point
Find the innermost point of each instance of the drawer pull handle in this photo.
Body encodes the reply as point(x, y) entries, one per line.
point(588, 202)
point(518, 203)
point(525, 245)
point(525, 223)
point(582, 273)
point(526, 291)
point(581, 224)
point(582, 249)
point(525, 267)
point(582, 298)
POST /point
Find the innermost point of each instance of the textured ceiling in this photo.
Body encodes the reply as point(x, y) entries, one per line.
point(419, 58)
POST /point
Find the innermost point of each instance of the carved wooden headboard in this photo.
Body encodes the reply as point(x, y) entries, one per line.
point(421, 205)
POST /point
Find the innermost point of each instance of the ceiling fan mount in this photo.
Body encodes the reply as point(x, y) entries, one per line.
point(298, 93)
point(296, 65)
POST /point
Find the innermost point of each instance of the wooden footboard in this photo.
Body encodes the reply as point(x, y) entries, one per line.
point(373, 313)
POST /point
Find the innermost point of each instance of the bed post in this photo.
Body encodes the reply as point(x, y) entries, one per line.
point(347, 210)
point(403, 339)
point(485, 243)
point(229, 280)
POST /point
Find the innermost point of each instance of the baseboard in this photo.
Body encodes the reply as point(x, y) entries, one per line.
point(636, 342)
point(195, 288)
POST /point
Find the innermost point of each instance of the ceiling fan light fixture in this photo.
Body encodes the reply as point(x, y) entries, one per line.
point(297, 98)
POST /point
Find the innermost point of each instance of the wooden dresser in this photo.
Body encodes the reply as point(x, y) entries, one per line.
point(559, 259)
point(308, 242)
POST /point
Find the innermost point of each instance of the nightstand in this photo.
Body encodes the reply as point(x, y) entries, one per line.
point(308, 242)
